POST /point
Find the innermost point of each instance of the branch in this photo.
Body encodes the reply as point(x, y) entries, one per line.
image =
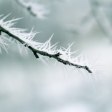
point(44, 49)
point(35, 9)
point(104, 25)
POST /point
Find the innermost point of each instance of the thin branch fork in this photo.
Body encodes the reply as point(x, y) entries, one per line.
point(43, 53)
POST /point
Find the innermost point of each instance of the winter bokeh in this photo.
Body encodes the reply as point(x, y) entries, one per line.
point(28, 84)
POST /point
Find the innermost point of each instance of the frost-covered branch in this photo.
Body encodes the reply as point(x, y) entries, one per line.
point(45, 49)
point(35, 9)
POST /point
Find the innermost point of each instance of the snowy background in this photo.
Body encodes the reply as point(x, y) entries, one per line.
point(44, 85)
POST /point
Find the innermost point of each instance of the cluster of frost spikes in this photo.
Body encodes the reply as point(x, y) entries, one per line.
point(35, 9)
point(62, 55)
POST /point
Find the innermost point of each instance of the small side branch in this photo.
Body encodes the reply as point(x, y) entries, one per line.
point(35, 9)
point(28, 8)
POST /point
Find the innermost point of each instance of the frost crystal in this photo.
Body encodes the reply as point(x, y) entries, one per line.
point(3, 44)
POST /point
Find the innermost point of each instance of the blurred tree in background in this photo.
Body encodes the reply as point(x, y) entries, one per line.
point(31, 85)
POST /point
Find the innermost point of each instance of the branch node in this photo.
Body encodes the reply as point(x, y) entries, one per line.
point(35, 54)
point(57, 54)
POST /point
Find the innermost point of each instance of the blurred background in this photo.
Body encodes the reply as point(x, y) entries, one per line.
point(44, 85)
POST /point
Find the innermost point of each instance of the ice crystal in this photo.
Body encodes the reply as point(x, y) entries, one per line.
point(3, 44)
